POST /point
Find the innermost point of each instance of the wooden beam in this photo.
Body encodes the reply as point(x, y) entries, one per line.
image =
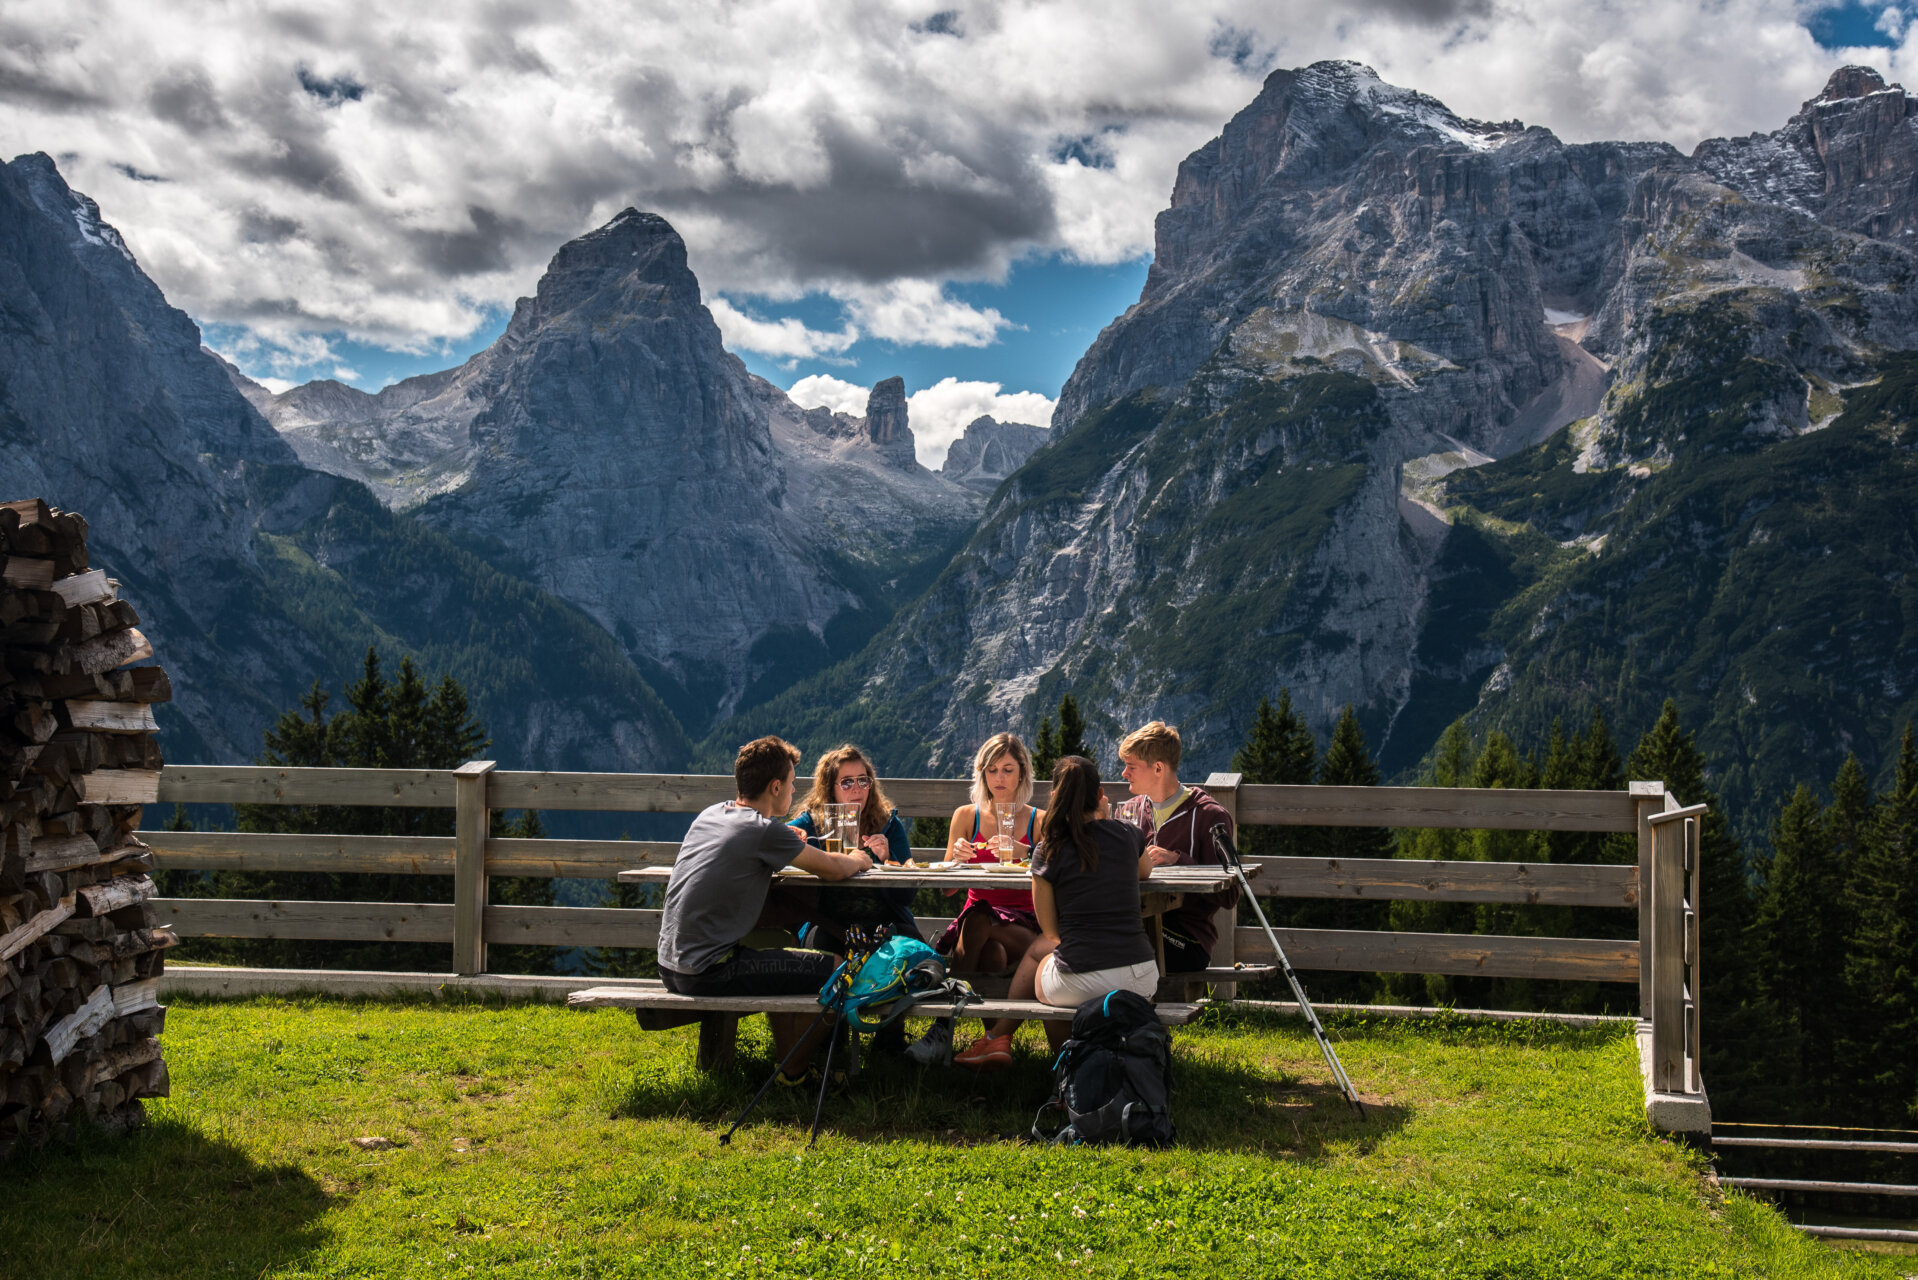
point(338, 921)
point(1413, 880)
point(90, 587)
point(610, 792)
point(112, 717)
point(268, 784)
point(1461, 954)
point(471, 817)
point(575, 859)
point(251, 851)
point(1473, 808)
point(572, 927)
point(119, 786)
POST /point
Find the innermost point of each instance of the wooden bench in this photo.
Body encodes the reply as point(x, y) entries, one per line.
point(658, 1009)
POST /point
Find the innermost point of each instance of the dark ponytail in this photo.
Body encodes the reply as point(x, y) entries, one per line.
point(1075, 798)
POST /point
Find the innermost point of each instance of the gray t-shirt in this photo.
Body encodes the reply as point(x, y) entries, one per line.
point(719, 883)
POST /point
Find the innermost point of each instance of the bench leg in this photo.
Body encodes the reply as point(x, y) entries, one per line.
point(718, 1038)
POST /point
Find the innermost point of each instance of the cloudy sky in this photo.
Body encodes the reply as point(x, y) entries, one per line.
point(959, 193)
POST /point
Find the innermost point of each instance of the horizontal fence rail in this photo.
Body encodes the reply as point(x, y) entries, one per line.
point(1662, 887)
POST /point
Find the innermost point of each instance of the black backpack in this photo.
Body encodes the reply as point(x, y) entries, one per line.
point(1113, 1080)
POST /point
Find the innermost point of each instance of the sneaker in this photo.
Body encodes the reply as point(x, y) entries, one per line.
point(934, 1048)
point(809, 1079)
point(989, 1053)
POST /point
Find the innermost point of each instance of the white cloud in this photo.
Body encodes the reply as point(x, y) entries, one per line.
point(786, 339)
point(398, 174)
point(938, 414)
point(918, 313)
point(822, 390)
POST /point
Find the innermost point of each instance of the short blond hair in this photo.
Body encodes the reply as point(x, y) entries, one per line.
point(1000, 744)
point(1155, 743)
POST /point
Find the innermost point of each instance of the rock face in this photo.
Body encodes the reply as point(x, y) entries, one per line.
point(991, 450)
point(1364, 315)
point(730, 541)
point(259, 574)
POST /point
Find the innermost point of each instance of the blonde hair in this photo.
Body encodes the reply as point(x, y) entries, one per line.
point(1155, 743)
point(876, 813)
point(1000, 744)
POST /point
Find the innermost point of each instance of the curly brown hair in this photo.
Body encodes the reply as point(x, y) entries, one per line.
point(876, 813)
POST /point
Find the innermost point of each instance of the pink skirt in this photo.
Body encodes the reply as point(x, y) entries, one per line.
point(948, 940)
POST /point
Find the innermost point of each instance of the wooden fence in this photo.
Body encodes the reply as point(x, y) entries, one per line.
point(1663, 961)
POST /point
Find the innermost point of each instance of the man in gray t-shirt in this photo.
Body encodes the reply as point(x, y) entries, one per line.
point(725, 867)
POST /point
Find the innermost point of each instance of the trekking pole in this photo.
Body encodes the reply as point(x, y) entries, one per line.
point(1229, 854)
point(727, 1136)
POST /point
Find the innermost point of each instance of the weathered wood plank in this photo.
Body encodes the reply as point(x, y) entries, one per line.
point(341, 921)
point(1462, 954)
point(259, 851)
point(26, 574)
point(81, 1023)
point(131, 997)
point(1476, 808)
point(575, 859)
point(18, 940)
point(119, 786)
point(77, 589)
point(111, 895)
point(469, 865)
point(939, 797)
point(1409, 880)
point(112, 717)
point(571, 927)
point(609, 792)
point(267, 784)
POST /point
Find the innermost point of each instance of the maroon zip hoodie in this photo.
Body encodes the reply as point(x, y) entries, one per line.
point(1188, 833)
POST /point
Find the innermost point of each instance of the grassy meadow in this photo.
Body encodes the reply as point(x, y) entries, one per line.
point(533, 1140)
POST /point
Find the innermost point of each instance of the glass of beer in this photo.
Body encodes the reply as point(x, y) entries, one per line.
point(841, 832)
point(1005, 818)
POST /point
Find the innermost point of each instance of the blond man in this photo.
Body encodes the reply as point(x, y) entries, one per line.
point(1177, 819)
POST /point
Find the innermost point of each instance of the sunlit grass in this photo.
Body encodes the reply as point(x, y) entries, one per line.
point(535, 1140)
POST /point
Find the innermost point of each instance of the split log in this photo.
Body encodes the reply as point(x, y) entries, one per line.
point(120, 786)
point(111, 717)
point(91, 587)
point(81, 1023)
point(122, 891)
point(115, 649)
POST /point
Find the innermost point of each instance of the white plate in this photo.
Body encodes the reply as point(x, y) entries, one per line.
point(1007, 867)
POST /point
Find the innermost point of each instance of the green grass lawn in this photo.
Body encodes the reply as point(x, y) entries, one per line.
point(536, 1141)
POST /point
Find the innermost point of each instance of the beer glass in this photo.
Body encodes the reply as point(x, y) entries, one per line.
point(841, 828)
point(1005, 819)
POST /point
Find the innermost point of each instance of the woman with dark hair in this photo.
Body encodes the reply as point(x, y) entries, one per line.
point(1085, 893)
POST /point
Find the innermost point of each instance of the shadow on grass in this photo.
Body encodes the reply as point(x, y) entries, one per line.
point(1219, 1103)
point(165, 1200)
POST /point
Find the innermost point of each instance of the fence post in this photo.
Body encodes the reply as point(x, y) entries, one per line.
point(1675, 866)
point(471, 816)
point(1648, 798)
point(1224, 787)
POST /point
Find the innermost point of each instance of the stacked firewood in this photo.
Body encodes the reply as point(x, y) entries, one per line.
point(79, 954)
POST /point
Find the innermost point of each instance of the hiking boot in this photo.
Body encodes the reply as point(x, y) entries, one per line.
point(934, 1048)
point(988, 1053)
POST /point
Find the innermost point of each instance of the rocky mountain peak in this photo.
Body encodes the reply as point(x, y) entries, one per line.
point(886, 412)
point(1852, 82)
point(635, 259)
point(991, 450)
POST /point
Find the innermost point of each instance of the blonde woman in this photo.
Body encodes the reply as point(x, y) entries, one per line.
point(845, 776)
point(994, 928)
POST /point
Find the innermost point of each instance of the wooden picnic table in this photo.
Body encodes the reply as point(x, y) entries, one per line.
point(1159, 893)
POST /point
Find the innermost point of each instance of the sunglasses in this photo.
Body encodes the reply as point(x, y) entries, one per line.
point(854, 784)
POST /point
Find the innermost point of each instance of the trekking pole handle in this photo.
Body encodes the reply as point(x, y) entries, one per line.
point(1222, 841)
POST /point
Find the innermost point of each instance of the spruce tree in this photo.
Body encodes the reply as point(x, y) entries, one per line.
point(1045, 750)
point(1882, 970)
point(520, 891)
point(1347, 763)
point(1072, 729)
point(1279, 750)
point(1453, 762)
point(1798, 954)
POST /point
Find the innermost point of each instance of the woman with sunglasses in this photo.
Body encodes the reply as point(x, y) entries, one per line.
point(845, 776)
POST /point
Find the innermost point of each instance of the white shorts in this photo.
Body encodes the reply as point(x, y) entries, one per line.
point(1060, 986)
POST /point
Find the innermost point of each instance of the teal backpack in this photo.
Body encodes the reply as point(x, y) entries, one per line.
point(887, 979)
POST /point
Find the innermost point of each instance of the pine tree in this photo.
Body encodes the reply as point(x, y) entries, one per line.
point(1347, 763)
point(1453, 762)
point(520, 891)
point(1882, 970)
point(1279, 750)
point(1045, 751)
point(1798, 955)
point(1072, 729)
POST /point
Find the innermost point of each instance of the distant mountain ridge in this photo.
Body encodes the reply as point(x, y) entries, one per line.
point(730, 541)
point(1302, 458)
point(255, 575)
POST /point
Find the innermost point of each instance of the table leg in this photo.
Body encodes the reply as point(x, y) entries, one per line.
point(718, 1037)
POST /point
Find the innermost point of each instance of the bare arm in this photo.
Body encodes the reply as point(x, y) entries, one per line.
point(1044, 908)
point(832, 866)
point(960, 830)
